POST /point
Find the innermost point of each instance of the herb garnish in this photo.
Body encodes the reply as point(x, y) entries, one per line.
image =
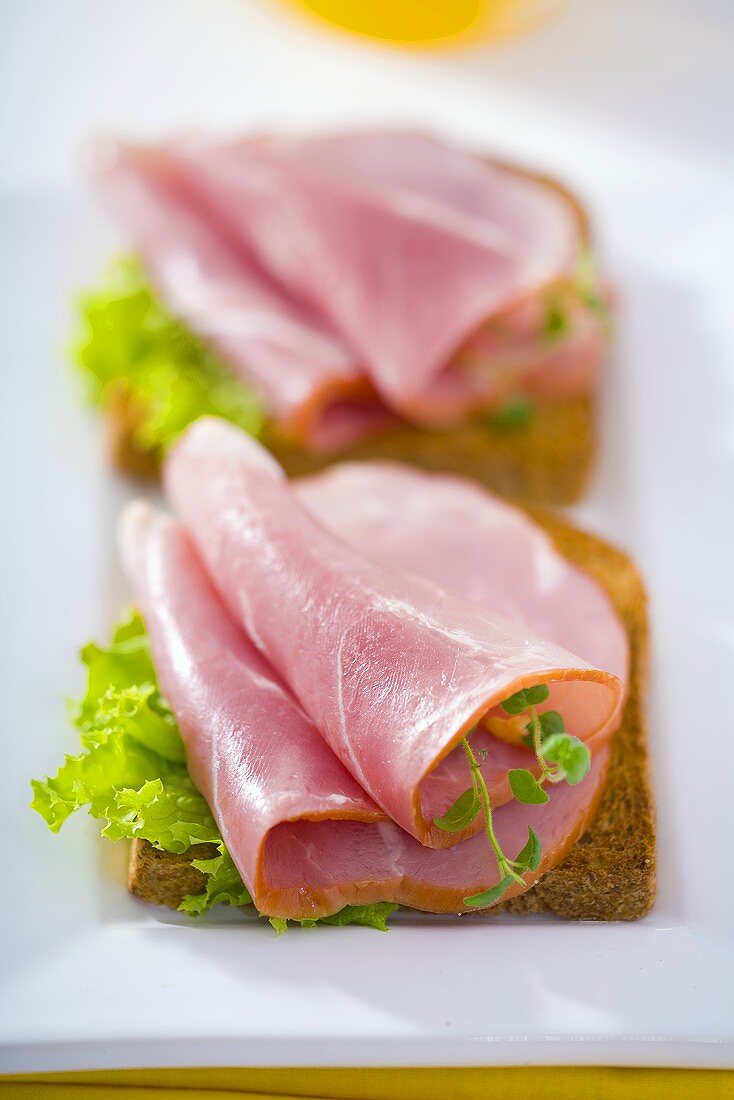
point(559, 755)
point(556, 321)
point(515, 412)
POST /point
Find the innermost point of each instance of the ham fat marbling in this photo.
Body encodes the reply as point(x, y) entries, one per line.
point(391, 669)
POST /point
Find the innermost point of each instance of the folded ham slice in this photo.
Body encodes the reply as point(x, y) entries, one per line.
point(454, 532)
point(357, 279)
point(307, 376)
point(423, 878)
point(250, 749)
point(391, 670)
point(304, 836)
point(436, 266)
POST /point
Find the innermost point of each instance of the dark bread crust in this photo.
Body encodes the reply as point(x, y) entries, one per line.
point(546, 461)
point(163, 877)
point(611, 873)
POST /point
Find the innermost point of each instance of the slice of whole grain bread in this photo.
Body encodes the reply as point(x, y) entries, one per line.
point(611, 873)
point(544, 461)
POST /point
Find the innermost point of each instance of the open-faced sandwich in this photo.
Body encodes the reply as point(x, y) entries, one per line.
point(370, 688)
point(357, 296)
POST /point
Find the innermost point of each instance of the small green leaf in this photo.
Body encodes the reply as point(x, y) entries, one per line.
point(515, 412)
point(570, 754)
point(525, 698)
point(550, 722)
point(460, 815)
point(529, 857)
point(280, 924)
point(526, 787)
point(556, 322)
point(491, 896)
point(516, 703)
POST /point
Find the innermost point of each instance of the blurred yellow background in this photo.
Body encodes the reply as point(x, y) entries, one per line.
point(429, 22)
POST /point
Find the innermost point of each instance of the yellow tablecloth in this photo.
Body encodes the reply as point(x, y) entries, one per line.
point(533, 1083)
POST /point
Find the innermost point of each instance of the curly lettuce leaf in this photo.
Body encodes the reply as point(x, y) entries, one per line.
point(224, 886)
point(130, 739)
point(132, 775)
point(371, 916)
point(130, 344)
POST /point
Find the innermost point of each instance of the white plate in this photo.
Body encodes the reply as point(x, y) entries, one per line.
point(93, 979)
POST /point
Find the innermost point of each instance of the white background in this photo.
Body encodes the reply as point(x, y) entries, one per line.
point(631, 103)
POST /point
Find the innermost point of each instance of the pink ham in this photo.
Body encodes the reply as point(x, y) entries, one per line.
point(512, 354)
point(426, 879)
point(250, 748)
point(412, 247)
point(306, 375)
point(455, 533)
point(391, 670)
point(304, 836)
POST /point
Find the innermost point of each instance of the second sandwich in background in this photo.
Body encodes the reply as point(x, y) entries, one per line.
point(360, 295)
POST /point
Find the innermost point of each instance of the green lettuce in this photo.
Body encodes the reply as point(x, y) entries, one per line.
point(224, 885)
point(130, 345)
point(131, 775)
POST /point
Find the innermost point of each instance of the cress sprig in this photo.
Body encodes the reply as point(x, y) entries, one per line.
point(560, 757)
